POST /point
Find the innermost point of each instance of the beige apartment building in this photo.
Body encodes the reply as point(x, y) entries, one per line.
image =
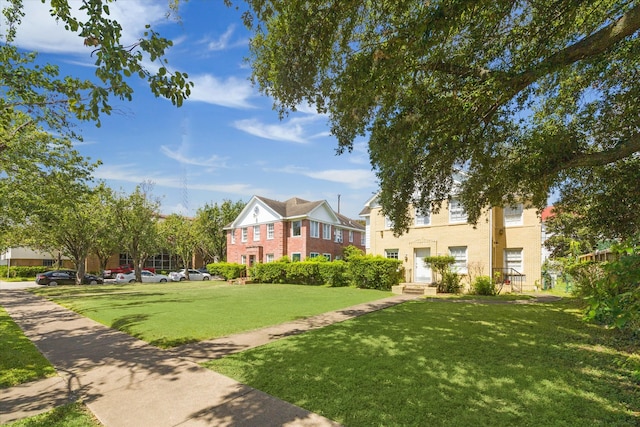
point(506, 244)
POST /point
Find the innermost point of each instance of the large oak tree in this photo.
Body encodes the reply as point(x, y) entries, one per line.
point(518, 94)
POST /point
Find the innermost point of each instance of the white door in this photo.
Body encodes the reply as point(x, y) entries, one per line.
point(422, 272)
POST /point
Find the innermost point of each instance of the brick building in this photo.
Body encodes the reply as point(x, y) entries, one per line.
point(266, 230)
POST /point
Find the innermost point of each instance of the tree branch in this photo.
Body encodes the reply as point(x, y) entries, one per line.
point(593, 45)
point(601, 158)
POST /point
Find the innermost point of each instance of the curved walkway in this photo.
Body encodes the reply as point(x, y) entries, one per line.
point(126, 382)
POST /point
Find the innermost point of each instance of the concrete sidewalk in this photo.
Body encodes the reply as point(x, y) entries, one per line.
point(126, 382)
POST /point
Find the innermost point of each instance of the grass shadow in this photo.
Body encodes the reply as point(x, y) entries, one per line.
point(451, 364)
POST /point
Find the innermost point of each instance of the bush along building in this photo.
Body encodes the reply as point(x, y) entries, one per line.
point(267, 230)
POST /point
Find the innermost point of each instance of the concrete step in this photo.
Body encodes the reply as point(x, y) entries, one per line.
point(414, 289)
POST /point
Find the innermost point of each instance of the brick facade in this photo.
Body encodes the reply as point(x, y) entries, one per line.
point(261, 247)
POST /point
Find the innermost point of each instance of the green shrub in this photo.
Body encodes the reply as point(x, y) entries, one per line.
point(334, 273)
point(311, 272)
point(228, 270)
point(374, 272)
point(351, 251)
point(612, 291)
point(271, 272)
point(483, 285)
point(304, 273)
point(451, 283)
point(23, 271)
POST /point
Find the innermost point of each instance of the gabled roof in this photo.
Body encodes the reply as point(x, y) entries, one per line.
point(298, 208)
point(291, 208)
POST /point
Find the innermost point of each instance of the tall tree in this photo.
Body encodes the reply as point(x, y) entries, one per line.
point(108, 236)
point(68, 225)
point(178, 235)
point(210, 222)
point(515, 93)
point(136, 216)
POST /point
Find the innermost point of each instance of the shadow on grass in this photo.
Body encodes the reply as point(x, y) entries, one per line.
point(451, 364)
point(100, 363)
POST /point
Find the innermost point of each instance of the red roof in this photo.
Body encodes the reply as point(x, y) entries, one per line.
point(547, 213)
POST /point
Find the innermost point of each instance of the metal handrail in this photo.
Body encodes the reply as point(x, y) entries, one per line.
point(504, 276)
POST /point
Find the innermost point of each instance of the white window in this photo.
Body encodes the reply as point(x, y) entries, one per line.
point(233, 236)
point(460, 254)
point(391, 253)
point(422, 218)
point(326, 231)
point(513, 259)
point(350, 236)
point(245, 234)
point(363, 238)
point(388, 224)
point(269, 258)
point(513, 215)
point(243, 259)
point(327, 256)
point(256, 233)
point(456, 211)
point(296, 228)
point(314, 255)
point(296, 256)
point(270, 229)
point(314, 229)
point(338, 235)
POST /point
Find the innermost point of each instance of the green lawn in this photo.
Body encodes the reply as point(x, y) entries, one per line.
point(171, 314)
point(71, 415)
point(453, 364)
point(20, 360)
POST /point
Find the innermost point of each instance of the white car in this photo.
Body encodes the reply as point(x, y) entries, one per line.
point(193, 275)
point(146, 275)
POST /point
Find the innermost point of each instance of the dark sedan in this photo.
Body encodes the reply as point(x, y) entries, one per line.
point(66, 277)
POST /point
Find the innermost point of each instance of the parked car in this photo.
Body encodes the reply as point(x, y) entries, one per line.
point(113, 272)
point(66, 277)
point(146, 276)
point(193, 275)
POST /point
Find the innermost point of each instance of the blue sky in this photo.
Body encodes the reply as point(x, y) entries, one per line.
point(226, 142)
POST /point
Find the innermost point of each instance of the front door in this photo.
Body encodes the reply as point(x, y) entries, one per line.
point(422, 271)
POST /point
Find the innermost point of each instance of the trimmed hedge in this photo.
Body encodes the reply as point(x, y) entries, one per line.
point(313, 273)
point(23, 271)
point(271, 272)
point(334, 274)
point(375, 272)
point(227, 270)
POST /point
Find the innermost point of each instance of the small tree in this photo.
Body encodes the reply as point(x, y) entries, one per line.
point(441, 265)
point(177, 234)
point(107, 238)
point(136, 217)
point(210, 222)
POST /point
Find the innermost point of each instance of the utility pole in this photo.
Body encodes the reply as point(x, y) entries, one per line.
point(338, 203)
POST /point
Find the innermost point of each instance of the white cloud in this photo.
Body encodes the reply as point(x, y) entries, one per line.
point(39, 31)
point(179, 155)
point(353, 178)
point(359, 155)
point(293, 130)
point(223, 41)
point(232, 92)
point(132, 173)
